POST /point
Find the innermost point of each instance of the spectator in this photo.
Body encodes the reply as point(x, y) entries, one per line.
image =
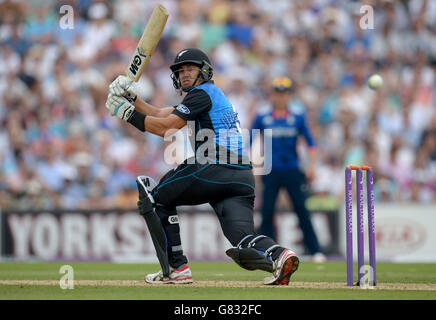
point(50, 78)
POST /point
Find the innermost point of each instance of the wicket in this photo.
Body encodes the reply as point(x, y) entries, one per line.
point(360, 223)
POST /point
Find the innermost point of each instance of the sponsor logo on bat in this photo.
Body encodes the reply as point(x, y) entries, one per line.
point(136, 62)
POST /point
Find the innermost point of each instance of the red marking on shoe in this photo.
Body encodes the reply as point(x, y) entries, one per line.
point(288, 266)
point(288, 269)
point(176, 280)
point(284, 251)
point(182, 268)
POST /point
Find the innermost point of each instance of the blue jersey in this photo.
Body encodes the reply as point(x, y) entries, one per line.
point(285, 132)
point(207, 105)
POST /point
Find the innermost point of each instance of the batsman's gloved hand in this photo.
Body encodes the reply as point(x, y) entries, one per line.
point(120, 107)
point(123, 86)
point(144, 204)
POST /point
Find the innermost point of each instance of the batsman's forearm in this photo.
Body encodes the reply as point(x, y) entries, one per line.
point(157, 126)
point(163, 126)
point(149, 110)
point(154, 126)
point(146, 108)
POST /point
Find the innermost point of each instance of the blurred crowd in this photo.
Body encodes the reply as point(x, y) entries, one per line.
point(59, 147)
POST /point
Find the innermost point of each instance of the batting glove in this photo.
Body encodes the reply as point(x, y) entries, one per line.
point(122, 86)
point(120, 107)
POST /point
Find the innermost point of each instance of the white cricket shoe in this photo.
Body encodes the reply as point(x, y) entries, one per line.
point(181, 275)
point(283, 268)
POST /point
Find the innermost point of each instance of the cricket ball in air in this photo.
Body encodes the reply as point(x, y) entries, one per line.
point(375, 81)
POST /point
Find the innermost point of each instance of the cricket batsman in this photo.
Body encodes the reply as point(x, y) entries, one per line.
point(226, 183)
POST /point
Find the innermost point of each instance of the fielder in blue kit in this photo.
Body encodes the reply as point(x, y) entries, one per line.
point(225, 182)
point(287, 126)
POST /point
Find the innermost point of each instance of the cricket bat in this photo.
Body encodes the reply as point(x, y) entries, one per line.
point(148, 42)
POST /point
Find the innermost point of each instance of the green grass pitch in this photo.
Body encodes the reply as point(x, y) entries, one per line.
point(212, 281)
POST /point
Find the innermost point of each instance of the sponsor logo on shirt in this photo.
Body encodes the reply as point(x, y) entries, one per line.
point(183, 109)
